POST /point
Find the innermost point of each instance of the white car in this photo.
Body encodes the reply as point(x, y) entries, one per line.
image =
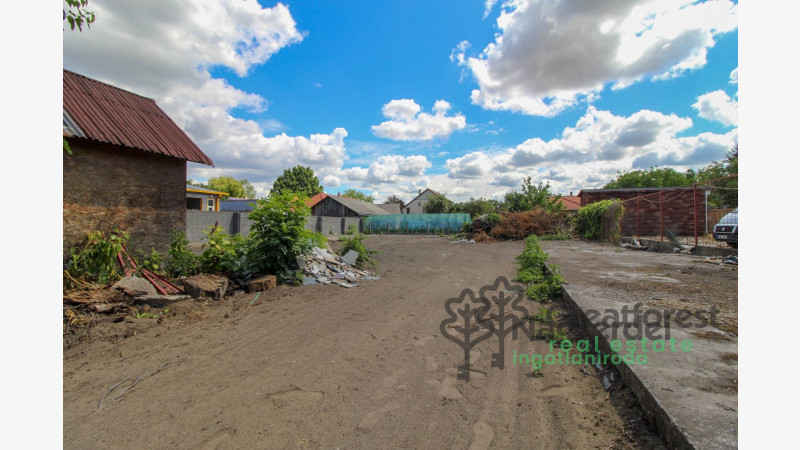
point(727, 230)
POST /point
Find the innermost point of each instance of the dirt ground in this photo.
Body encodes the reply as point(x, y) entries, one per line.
point(325, 366)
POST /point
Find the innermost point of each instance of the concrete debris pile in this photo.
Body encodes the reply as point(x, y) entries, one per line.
point(323, 266)
point(464, 241)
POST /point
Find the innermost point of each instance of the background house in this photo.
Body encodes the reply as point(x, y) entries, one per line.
point(416, 205)
point(203, 199)
point(127, 167)
point(570, 203)
point(237, 204)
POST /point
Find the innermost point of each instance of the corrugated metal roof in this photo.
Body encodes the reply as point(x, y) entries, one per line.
point(570, 202)
point(390, 208)
point(112, 115)
point(359, 207)
point(190, 187)
point(316, 199)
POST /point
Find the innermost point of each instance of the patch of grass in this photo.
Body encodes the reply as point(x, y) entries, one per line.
point(365, 255)
point(557, 334)
point(544, 315)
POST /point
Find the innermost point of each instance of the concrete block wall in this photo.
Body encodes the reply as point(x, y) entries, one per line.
point(333, 225)
point(197, 222)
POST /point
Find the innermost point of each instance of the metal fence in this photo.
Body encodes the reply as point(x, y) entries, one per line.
point(687, 215)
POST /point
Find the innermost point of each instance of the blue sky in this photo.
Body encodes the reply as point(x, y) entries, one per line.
point(465, 97)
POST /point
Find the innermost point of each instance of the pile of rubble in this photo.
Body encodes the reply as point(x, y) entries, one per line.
point(463, 241)
point(323, 266)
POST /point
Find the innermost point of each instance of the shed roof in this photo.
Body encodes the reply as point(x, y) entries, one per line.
point(361, 208)
point(390, 208)
point(108, 114)
point(316, 198)
point(191, 188)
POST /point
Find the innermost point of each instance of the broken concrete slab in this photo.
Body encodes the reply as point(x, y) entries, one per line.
point(138, 286)
point(206, 286)
point(350, 257)
point(262, 283)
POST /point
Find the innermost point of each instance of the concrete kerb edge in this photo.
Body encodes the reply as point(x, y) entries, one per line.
point(668, 247)
point(673, 435)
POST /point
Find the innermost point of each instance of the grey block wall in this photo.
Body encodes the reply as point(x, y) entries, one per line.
point(333, 225)
point(197, 222)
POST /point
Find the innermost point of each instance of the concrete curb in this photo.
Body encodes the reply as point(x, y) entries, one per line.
point(668, 247)
point(673, 435)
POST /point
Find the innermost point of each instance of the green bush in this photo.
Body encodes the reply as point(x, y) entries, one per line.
point(543, 284)
point(223, 253)
point(600, 220)
point(181, 262)
point(365, 255)
point(278, 234)
point(150, 261)
point(97, 261)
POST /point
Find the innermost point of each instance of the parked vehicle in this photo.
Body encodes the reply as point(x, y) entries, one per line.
point(727, 230)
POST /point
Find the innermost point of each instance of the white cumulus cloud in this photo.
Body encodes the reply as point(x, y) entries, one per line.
point(718, 106)
point(548, 56)
point(408, 122)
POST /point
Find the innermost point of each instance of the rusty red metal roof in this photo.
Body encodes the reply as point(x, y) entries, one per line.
point(570, 202)
point(316, 199)
point(111, 115)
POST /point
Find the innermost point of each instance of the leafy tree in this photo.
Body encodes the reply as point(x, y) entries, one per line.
point(438, 204)
point(394, 199)
point(352, 193)
point(718, 174)
point(278, 234)
point(532, 196)
point(235, 188)
point(652, 177)
point(76, 15)
point(477, 207)
point(298, 179)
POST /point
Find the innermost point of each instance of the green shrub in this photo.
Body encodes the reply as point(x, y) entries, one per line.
point(278, 234)
point(365, 255)
point(150, 261)
point(600, 221)
point(544, 284)
point(223, 253)
point(181, 262)
point(97, 261)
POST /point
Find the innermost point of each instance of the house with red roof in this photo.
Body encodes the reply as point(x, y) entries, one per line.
point(126, 166)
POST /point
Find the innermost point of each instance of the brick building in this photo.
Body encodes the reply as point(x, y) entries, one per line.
point(127, 167)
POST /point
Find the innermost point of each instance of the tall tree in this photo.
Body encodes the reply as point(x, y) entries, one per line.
point(394, 199)
point(298, 179)
point(438, 204)
point(532, 196)
point(352, 193)
point(652, 177)
point(235, 188)
point(476, 208)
